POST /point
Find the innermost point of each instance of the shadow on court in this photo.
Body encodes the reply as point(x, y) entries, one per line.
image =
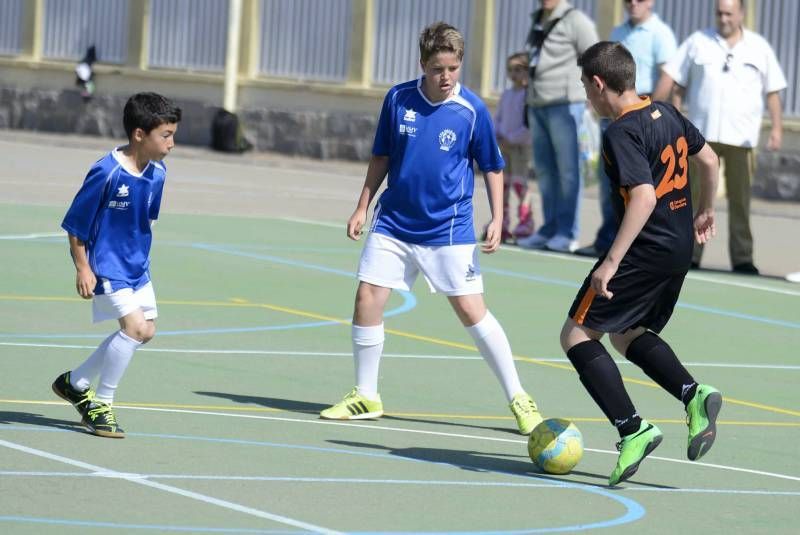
point(307, 407)
point(476, 461)
point(28, 418)
point(271, 403)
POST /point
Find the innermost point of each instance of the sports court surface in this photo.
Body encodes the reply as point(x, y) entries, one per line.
point(254, 279)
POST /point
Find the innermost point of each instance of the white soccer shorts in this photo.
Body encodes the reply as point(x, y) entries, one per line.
point(448, 269)
point(124, 301)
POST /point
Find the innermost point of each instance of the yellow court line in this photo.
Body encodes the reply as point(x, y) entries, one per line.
point(238, 302)
point(234, 408)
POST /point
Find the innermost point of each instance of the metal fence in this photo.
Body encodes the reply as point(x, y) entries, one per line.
point(310, 39)
point(188, 34)
point(512, 23)
point(306, 39)
point(778, 21)
point(686, 16)
point(398, 24)
point(10, 27)
point(71, 26)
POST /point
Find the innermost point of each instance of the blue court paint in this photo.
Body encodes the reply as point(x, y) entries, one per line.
point(157, 527)
point(739, 315)
point(234, 250)
point(633, 510)
point(698, 308)
point(270, 258)
point(409, 303)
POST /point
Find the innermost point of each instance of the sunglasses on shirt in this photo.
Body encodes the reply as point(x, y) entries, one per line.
point(727, 66)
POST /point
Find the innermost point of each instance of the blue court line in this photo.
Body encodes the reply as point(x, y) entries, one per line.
point(270, 258)
point(159, 527)
point(634, 511)
point(740, 315)
point(681, 304)
point(409, 303)
point(376, 481)
point(513, 274)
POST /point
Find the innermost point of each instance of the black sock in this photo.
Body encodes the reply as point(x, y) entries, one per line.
point(658, 361)
point(601, 377)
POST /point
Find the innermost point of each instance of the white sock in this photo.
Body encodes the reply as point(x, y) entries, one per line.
point(367, 350)
point(118, 356)
point(491, 340)
point(81, 377)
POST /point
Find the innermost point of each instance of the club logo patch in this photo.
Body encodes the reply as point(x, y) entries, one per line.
point(447, 138)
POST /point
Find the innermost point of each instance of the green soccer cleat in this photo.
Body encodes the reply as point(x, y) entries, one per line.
point(632, 451)
point(526, 413)
point(701, 415)
point(354, 406)
point(64, 389)
point(100, 420)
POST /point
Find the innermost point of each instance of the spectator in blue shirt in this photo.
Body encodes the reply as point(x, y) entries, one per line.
point(652, 43)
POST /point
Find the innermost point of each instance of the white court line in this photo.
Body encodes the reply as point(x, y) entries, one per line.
point(376, 481)
point(136, 478)
point(32, 236)
point(340, 226)
point(257, 352)
point(444, 434)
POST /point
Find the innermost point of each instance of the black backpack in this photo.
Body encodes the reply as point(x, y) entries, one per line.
point(226, 133)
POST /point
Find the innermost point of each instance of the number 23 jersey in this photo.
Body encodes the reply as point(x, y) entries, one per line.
point(650, 143)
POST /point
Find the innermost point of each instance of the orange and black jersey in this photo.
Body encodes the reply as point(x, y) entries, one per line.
point(650, 143)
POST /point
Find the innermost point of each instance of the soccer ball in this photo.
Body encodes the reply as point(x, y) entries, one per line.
point(555, 446)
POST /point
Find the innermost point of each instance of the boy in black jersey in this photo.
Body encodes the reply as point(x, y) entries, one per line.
point(632, 290)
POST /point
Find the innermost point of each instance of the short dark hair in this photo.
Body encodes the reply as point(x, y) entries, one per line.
point(148, 111)
point(519, 57)
point(440, 37)
point(612, 62)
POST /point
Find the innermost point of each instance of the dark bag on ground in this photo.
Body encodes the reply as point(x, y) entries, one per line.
point(226, 133)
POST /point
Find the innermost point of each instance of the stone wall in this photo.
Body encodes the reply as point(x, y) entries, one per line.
point(310, 133)
point(777, 176)
point(322, 134)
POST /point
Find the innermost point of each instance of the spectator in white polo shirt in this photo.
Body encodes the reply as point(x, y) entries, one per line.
point(726, 74)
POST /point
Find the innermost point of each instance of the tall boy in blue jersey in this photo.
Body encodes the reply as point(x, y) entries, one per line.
point(633, 288)
point(109, 232)
point(430, 132)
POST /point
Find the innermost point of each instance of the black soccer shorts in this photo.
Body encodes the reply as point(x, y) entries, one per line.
point(641, 299)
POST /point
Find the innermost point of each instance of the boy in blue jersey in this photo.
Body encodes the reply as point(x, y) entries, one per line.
point(430, 132)
point(109, 232)
point(632, 290)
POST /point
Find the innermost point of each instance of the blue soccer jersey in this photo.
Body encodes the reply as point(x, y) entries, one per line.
point(111, 214)
point(431, 149)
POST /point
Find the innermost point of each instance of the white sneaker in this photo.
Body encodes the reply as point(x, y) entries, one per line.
point(534, 241)
point(561, 244)
point(793, 277)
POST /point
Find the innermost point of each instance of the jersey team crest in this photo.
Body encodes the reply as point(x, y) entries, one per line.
point(447, 139)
